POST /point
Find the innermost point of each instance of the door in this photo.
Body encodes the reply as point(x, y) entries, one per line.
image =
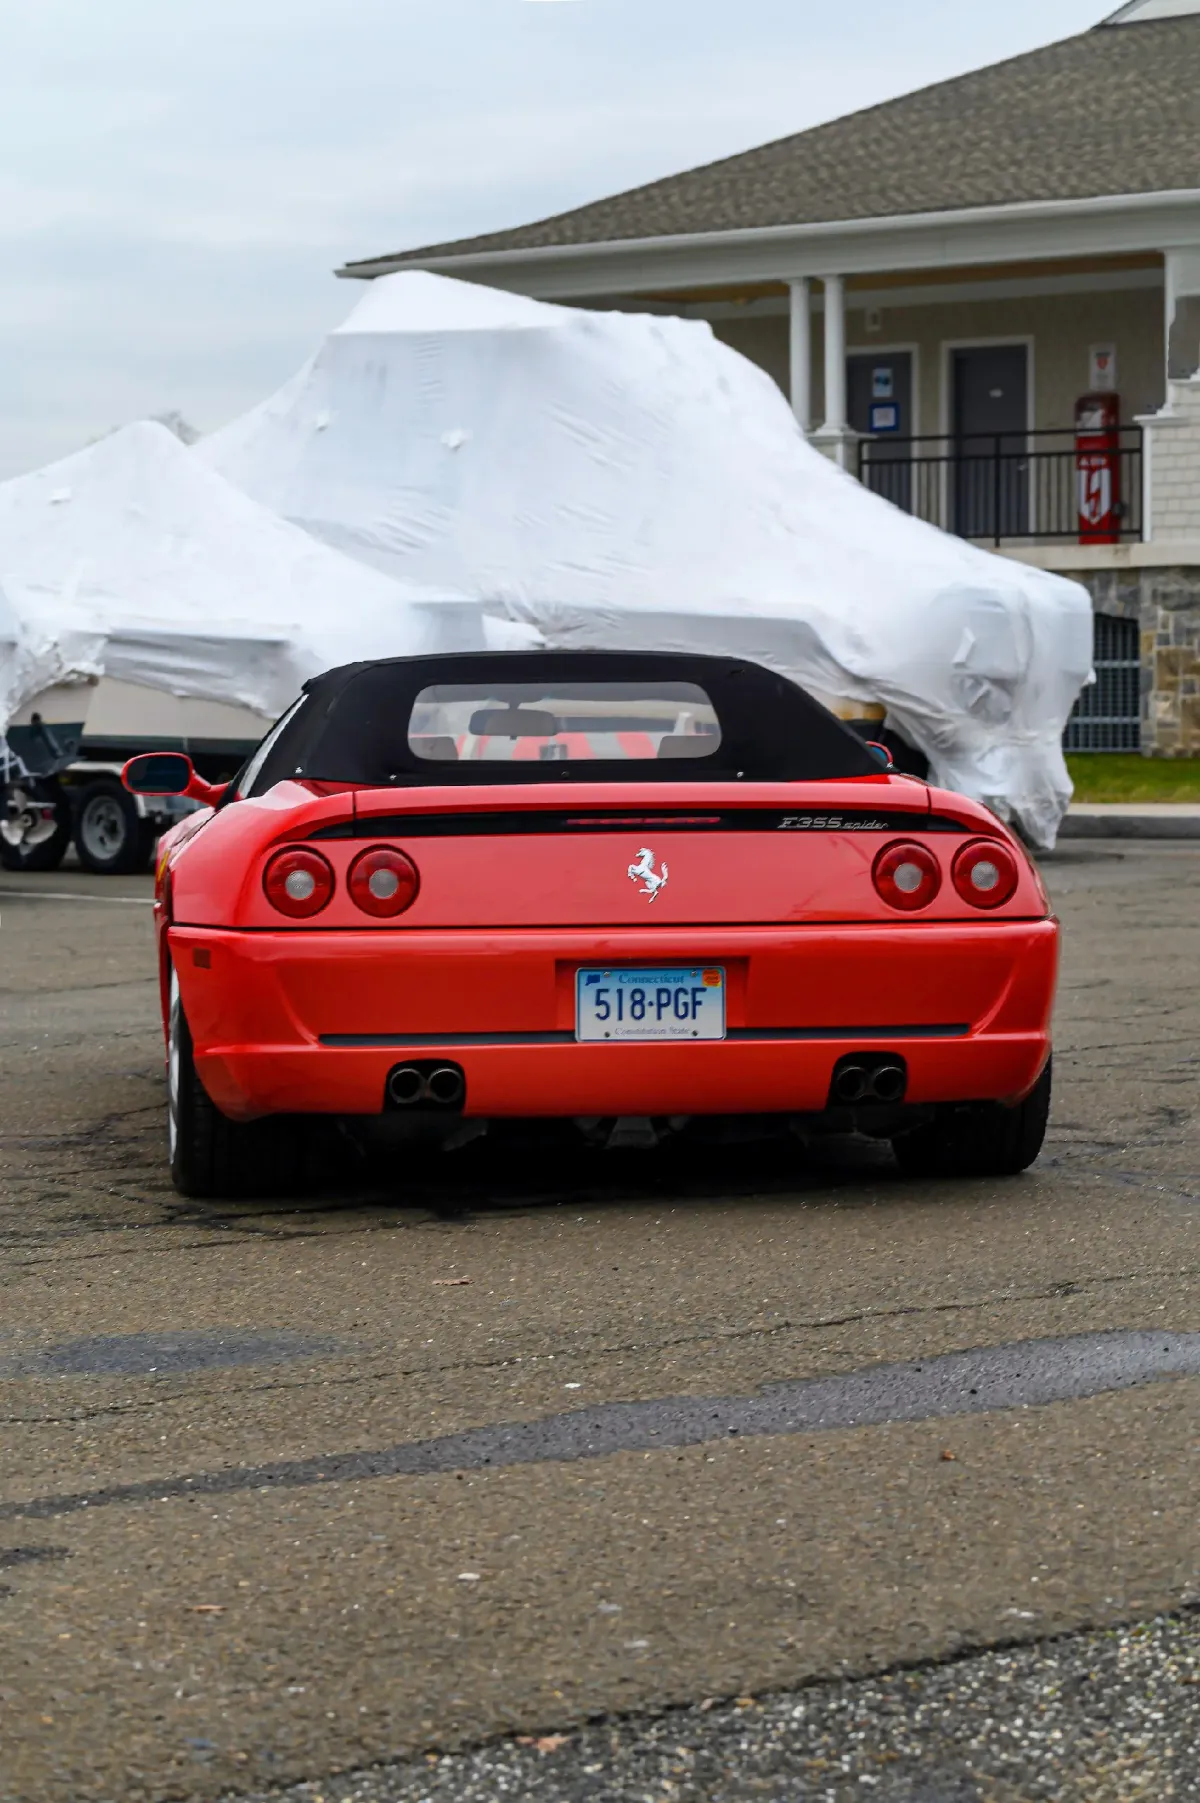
point(990, 395)
point(879, 406)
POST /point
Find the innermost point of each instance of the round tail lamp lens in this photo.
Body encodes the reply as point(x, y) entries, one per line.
point(298, 882)
point(986, 874)
point(907, 876)
point(383, 882)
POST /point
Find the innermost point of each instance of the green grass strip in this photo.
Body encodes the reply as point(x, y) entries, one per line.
point(1124, 776)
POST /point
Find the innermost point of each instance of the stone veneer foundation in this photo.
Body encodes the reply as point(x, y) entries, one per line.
point(1165, 602)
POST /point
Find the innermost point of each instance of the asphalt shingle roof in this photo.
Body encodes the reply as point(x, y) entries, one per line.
point(1115, 110)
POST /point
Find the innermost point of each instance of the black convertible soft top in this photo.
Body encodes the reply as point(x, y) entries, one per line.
point(354, 724)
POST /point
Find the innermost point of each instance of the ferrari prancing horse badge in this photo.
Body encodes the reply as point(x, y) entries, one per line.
point(644, 872)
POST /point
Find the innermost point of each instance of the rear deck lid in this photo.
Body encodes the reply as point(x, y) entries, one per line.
point(592, 858)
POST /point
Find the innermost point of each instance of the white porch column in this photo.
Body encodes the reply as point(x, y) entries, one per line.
point(1171, 437)
point(800, 338)
point(835, 438)
point(835, 353)
point(1182, 281)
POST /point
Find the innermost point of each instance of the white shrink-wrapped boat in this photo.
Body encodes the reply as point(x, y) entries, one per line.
point(620, 480)
point(146, 604)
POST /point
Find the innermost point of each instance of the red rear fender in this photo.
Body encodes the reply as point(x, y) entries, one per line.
point(214, 870)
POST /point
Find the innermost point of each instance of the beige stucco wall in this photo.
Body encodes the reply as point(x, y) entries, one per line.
point(765, 342)
point(1061, 327)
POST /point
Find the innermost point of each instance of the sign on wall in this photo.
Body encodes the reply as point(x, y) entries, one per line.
point(1102, 368)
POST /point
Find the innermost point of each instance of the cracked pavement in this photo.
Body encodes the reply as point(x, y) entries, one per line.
point(171, 1638)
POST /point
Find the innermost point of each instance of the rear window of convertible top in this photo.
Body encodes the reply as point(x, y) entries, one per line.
point(535, 717)
point(563, 722)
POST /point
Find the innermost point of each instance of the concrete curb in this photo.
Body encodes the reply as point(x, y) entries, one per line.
point(1154, 820)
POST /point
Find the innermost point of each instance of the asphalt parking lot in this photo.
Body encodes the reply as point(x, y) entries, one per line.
point(604, 1476)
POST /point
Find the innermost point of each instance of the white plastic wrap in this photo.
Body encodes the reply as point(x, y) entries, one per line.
point(133, 560)
point(35, 655)
point(620, 480)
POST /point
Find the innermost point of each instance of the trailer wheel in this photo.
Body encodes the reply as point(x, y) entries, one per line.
point(110, 834)
point(47, 855)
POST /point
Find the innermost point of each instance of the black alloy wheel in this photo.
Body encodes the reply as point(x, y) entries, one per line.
point(983, 1140)
point(212, 1157)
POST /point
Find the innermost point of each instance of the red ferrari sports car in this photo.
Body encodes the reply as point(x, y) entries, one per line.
point(635, 891)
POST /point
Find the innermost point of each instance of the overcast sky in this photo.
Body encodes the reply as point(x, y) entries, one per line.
point(178, 178)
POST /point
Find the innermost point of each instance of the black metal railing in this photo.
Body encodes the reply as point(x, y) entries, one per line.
point(1003, 487)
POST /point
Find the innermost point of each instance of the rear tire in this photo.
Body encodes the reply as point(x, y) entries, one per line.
point(985, 1140)
point(212, 1157)
point(111, 838)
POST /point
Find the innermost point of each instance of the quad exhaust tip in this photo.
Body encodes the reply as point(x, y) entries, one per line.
point(406, 1086)
point(428, 1086)
point(446, 1087)
point(864, 1079)
point(856, 1081)
point(889, 1083)
point(852, 1083)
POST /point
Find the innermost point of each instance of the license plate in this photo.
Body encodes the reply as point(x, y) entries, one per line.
point(664, 1003)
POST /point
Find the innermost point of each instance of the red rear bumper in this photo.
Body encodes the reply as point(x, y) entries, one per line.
point(300, 1021)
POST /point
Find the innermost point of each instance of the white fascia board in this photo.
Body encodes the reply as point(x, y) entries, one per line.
point(934, 294)
point(1103, 225)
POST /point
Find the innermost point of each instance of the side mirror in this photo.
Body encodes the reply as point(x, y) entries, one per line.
point(168, 773)
point(881, 754)
point(158, 773)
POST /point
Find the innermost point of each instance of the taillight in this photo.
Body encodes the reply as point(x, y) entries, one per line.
point(383, 882)
point(907, 876)
point(298, 882)
point(985, 873)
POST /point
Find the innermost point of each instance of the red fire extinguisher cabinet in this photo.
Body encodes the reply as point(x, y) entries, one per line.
point(1098, 468)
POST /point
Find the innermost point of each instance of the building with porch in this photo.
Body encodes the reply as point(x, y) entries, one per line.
point(951, 287)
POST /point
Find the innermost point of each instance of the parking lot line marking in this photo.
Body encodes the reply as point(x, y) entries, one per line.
point(129, 901)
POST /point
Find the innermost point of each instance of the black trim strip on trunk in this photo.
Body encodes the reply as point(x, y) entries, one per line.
point(958, 1030)
point(758, 1035)
point(525, 822)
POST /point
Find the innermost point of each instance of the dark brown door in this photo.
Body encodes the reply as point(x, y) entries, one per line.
point(879, 406)
point(991, 421)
